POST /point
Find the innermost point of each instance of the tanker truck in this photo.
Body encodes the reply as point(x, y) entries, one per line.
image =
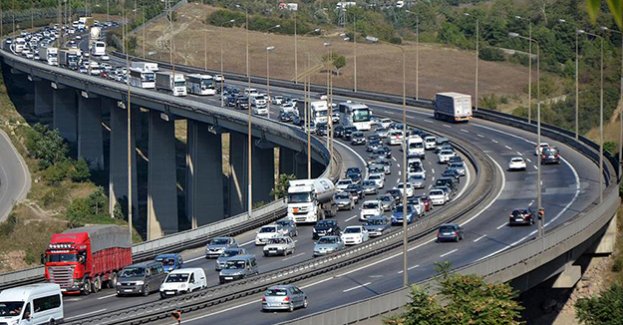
point(310, 200)
point(82, 260)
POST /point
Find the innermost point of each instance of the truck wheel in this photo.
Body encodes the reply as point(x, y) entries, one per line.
point(112, 282)
point(86, 287)
point(97, 284)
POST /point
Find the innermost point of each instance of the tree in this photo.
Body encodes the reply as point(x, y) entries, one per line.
point(334, 60)
point(468, 299)
point(606, 309)
point(46, 145)
point(615, 6)
point(281, 188)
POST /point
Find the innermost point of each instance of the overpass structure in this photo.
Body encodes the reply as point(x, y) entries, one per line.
point(525, 261)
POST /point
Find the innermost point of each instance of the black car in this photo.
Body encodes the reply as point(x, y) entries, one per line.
point(326, 227)
point(321, 129)
point(355, 190)
point(521, 217)
point(297, 120)
point(338, 131)
point(357, 138)
point(285, 117)
point(455, 159)
point(348, 132)
point(452, 173)
point(446, 181)
point(354, 173)
point(383, 151)
point(395, 193)
point(550, 156)
point(242, 102)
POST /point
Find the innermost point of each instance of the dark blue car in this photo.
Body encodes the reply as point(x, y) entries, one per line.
point(170, 262)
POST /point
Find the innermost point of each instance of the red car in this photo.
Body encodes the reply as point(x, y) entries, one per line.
point(428, 204)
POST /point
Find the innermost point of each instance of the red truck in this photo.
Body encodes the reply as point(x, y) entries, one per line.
point(82, 260)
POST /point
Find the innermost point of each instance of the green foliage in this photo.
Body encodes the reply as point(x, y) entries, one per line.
point(605, 309)
point(610, 147)
point(491, 54)
point(7, 227)
point(45, 145)
point(92, 209)
point(80, 171)
point(334, 60)
point(468, 299)
point(281, 188)
point(56, 173)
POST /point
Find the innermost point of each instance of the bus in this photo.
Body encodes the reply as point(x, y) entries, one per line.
point(355, 114)
point(200, 84)
point(99, 48)
point(142, 78)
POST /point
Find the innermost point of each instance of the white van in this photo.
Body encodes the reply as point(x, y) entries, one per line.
point(40, 303)
point(184, 280)
point(415, 146)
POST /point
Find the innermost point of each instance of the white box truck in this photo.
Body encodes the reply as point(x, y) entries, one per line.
point(49, 55)
point(175, 83)
point(319, 111)
point(453, 107)
point(310, 200)
point(152, 66)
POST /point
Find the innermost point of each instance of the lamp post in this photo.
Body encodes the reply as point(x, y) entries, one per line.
point(417, 54)
point(129, 134)
point(601, 113)
point(577, 89)
point(330, 102)
point(529, 67)
point(206, 64)
point(539, 204)
point(355, 53)
point(603, 28)
point(477, 59)
point(268, 50)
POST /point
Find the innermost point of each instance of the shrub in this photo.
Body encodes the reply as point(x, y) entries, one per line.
point(80, 171)
point(491, 54)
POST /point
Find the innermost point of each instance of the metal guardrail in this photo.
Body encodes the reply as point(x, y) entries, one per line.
point(511, 263)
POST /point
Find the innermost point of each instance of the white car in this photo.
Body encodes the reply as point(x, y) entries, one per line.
point(342, 184)
point(265, 233)
point(517, 163)
point(444, 155)
point(416, 171)
point(395, 137)
point(378, 178)
point(385, 122)
point(538, 150)
point(353, 235)
point(219, 78)
point(279, 246)
point(408, 188)
point(430, 142)
point(277, 100)
point(105, 57)
point(437, 197)
point(370, 208)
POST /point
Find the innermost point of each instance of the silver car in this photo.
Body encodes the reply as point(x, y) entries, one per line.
point(417, 181)
point(387, 202)
point(227, 254)
point(219, 244)
point(283, 297)
point(289, 227)
point(344, 200)
point(369, 187)
point(327, 245)
point(279, 246)
point(377, 225)
point(459, 166)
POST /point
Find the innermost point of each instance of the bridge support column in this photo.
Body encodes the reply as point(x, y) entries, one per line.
point(607, 242)
point(43, 97)
point(118, 171)
point(292, 163)
point(90, 143)
point(569, 277)
point(161, 177)
point(263, 170)
point(65, 113)
point(238, 179)
point(204, 175)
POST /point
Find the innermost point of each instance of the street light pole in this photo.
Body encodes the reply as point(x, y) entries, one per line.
point(620, 101)
point(355, 53)
point(539, 203)
point(296, 55)
point(267, 68)
point(206, 68)
point(529, 68)
point(307, 120)
point(477, 59)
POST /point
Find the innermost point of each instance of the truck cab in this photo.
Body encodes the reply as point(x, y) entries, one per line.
point(311, 200)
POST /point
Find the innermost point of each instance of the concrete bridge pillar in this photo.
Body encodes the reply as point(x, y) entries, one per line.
point(90, 143)
point(263, 170)
point(161, 177)
point(568, 278)
point(608, 240)
point(65, 111)
point(238, 179)
point(292, 163)
point(118, 171)
point(204, 175)
point(43, 97)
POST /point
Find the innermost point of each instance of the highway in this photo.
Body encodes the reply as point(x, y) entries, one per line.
point(567, 189)
point(14, 177)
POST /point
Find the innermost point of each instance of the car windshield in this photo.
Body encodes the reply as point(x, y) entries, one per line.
point(327, 240)
point(166, 260)
point(276, 292)
point(177, 277)
point(344, 182)
point(446, 229)
point(283, 222)
point(517, 160)
point(277, 241)
point(342, 196)
point(62, 258)
point(387, 198)
point(324, 224)
point(376, 222)
point(352, 230)
point(230, 253)
point(446, 152)
point(268, 229)
point(519, 213)
point(371, 205)
point(132, 272)
point(239, 265)
point(369, 183)
point(11, 308)
point(361, 115)
point(437, 192)
point(299, 198)
point(219, 241)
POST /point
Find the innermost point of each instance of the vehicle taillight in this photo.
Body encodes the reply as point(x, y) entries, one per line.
point(286, 299)
point(456, 233)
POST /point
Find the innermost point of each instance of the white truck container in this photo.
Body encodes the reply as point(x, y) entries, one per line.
point(49, 55)
point(70, 58)
point(39, 303)
point(310, 200)
point(94, 35)
point(319, 111)
point(453, 107)
point(152, 66)
point(175, 83)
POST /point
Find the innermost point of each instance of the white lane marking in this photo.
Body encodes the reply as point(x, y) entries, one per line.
point(519, 153)
point(535, 167)
point(357, 287)
point(446, 125)
point(495, 198)
point(363, 161)
point(480, 135)
point(394, 159)
point(508, 147)
point(428, 121)
point(528, 160)
point(448, 253)
point(293, 256)
point(315, 283)
point(248, 243)
point(479, 238)
point(494, 140)
point(467, 180)
point(194, 259)
point(108, 296)
point(89, 313)
point(501, 226)
point(531, 203)
point(409, 268)
point(433, 170)
point(351, 218)
point(254, 301)
point(464, 131)
point(399, 173)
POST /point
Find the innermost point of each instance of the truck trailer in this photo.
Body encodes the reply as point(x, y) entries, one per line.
point(310, 200)
point(453, 107)
point(48, 55)
point(82, 260)
point(152, 66)
point(175, 83)
point(70, 58)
